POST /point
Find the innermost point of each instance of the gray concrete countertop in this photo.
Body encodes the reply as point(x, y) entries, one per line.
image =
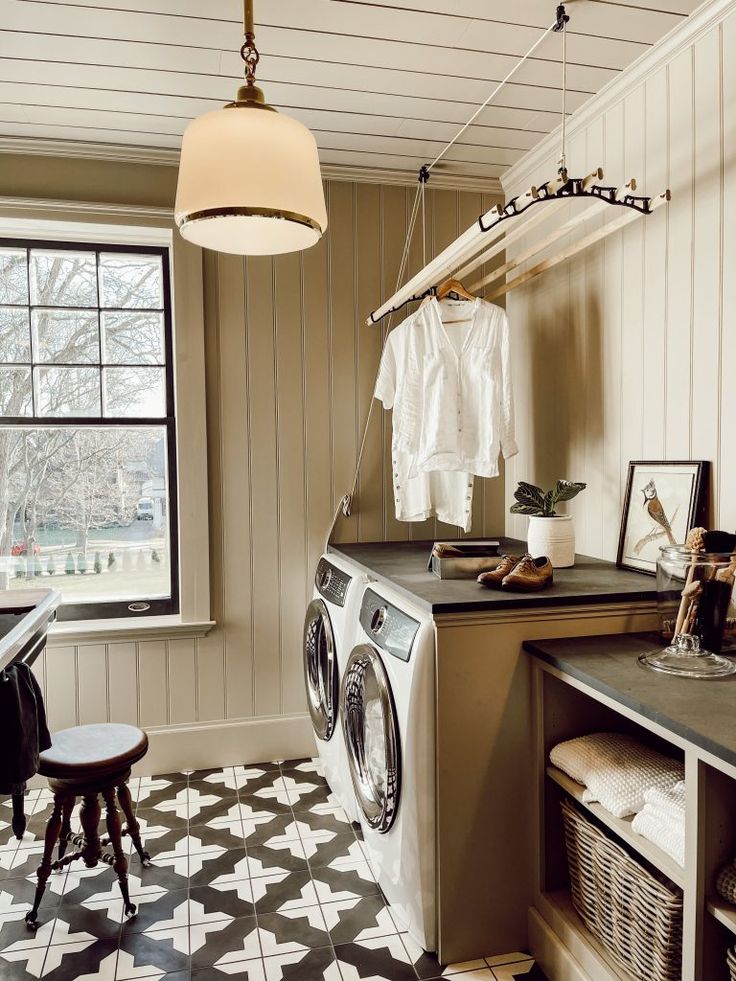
point(702, 712)
point(403, 565)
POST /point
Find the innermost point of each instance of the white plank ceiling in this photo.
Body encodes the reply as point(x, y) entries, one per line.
point(382, 84)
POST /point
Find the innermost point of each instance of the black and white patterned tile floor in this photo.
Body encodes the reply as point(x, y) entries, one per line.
point(257, 875)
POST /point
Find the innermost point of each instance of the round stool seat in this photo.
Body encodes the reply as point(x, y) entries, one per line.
point(87, 752)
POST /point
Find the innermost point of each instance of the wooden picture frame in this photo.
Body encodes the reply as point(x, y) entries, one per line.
point(680, 501)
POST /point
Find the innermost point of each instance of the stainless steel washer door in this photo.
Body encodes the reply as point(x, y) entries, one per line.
point(372, 737)
point(321, 676)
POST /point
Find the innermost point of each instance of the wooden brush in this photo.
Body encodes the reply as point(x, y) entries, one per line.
point(695, 542)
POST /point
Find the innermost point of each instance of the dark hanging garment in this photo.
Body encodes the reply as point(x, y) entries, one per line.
point(23, 730)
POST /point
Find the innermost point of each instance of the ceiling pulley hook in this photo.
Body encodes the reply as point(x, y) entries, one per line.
point(562, 19)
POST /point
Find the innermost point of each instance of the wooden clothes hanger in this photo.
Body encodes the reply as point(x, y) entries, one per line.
point(454, 289)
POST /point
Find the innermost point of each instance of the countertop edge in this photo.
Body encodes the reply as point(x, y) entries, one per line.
point(37, 617)
point(536, 649)
point(540, 601)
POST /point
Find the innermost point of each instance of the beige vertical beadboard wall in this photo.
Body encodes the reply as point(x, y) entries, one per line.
point(287, 400)
point(290, 368)
point(628, 351)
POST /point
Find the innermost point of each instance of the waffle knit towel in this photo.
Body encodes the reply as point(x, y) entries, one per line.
point(616, 770)
point(648, 824)
point(668, 804)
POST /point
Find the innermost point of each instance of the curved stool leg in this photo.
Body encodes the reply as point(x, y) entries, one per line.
point(53, 827)
point(131, 824)
point(89, 815)
point(66, 824)
point(120, 860)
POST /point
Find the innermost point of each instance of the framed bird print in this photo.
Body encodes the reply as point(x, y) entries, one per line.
point(663, 501)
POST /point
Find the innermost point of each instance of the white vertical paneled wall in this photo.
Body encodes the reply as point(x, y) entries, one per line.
point(628, 351)
point(290, 369)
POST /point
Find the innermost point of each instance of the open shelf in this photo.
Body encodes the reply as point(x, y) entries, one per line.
point(724, 912)
point(621, 827)
point(565, 708)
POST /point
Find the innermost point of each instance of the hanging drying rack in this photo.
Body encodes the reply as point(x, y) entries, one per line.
point(515, 219)
point(502, 225)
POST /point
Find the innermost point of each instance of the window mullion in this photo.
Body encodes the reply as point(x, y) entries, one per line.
point(30, 332)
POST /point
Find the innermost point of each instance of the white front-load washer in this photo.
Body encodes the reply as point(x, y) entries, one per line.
point(329, 627)
point(387, 704)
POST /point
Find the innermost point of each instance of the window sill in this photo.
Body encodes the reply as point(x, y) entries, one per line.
point(63, 633)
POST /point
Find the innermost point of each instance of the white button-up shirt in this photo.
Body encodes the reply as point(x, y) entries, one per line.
point(445, 371)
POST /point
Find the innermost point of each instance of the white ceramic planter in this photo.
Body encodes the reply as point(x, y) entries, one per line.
point(553, 537)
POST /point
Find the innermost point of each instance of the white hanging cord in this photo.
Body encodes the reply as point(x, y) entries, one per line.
point(561, 19)
point(422, 184)
point(561, 27)
point(493, 95)
point(344, 505)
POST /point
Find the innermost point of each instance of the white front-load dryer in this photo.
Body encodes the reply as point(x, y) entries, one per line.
point(387, 704)
point(329, 627)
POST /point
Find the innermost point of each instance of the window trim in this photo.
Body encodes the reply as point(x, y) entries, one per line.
point(58, 224)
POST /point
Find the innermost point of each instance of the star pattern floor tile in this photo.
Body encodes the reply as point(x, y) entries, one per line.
point(257, 874)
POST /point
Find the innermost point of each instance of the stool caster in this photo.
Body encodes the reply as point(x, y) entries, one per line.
point(31, 920)
point(130, 909)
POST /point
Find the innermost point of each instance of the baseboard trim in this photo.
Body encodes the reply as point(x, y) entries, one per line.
point(550, 953)
point(226, 743)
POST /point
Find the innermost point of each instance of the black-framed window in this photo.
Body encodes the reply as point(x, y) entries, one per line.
point(87, 426)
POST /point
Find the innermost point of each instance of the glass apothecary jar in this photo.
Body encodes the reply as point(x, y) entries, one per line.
point(694, 598)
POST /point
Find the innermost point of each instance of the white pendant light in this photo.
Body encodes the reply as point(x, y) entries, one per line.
point(249, 178)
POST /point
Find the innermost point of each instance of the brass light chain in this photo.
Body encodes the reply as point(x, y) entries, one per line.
point(249, 52)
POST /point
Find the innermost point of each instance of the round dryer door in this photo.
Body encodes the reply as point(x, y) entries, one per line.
point(321, 674)
point(372, 737)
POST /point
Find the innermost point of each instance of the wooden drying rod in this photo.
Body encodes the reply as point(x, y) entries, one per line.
point(495, 231)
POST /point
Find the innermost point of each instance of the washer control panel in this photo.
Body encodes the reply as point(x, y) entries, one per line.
point(387, 626)
point(332, 582)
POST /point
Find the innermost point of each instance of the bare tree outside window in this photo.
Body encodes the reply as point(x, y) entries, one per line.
point(87, 490)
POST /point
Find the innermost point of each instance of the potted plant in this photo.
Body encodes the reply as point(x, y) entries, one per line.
point(550, 534)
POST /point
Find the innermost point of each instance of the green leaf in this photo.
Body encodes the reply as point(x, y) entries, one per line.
point(522, 508)
point(530, 495)
point(565, 490)
point(549, 504)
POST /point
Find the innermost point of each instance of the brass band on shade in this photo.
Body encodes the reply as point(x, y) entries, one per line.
point(245, 212)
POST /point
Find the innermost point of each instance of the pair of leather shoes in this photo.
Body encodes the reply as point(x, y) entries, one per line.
point(522, 574)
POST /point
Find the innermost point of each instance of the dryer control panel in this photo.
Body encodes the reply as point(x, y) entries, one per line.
point(387, 626)
point(332, 582)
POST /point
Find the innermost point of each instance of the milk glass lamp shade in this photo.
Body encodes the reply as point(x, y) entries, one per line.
point(249, 182)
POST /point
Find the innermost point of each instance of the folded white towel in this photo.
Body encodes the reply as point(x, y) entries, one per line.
point(677, 824)
point(670, 800)
point(648, 825)
point(668, 806)
point(580, 757)
point(620, 786)
point(616, 769)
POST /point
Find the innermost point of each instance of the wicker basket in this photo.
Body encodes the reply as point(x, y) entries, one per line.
point(635, 915)
point(731, 962)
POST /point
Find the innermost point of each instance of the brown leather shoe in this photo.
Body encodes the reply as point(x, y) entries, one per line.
point(529, 575)
point(495, 577)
